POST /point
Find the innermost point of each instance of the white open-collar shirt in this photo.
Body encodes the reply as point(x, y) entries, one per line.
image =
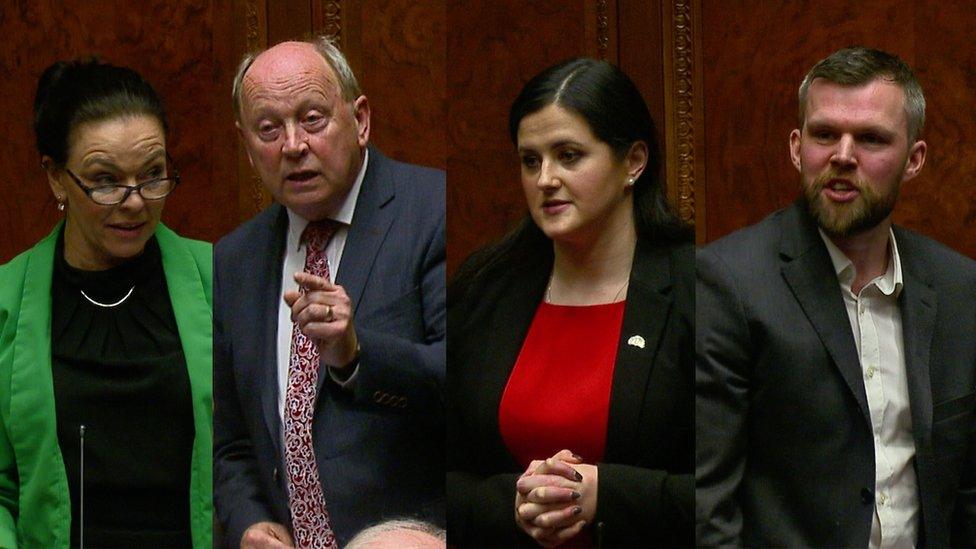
point(294, 262)
point(875, 317)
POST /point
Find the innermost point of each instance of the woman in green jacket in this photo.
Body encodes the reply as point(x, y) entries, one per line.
point(105, 335)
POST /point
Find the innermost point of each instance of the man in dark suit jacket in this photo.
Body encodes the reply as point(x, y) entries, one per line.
point(378, 326)
point(836, 354)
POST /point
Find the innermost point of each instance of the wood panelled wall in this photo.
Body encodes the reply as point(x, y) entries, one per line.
point(720, 79)
point(189, 50)
point(755, 55)
point(169, 43)
point(495, 47)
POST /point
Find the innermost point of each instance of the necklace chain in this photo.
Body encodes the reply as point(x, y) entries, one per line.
point(108, 305)
point(615, 296)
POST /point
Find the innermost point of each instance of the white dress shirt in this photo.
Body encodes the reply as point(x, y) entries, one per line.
point(294, 262)
point(875, 318)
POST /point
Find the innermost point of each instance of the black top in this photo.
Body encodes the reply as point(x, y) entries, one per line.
point(120, 371)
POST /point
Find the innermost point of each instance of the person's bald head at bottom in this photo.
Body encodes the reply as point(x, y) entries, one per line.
point(401, 533)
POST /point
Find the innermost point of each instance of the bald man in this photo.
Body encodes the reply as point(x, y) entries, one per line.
point(328, 318)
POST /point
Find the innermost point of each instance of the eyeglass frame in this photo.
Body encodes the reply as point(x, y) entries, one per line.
point(129, 189)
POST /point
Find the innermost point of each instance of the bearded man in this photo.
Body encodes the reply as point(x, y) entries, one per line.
point(836, 353)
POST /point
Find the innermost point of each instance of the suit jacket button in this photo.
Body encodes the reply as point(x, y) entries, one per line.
point(867, 496)
point(274, 474)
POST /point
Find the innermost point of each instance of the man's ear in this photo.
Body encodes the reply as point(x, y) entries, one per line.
point(916, 159)
point(360, 109)
point(795, 148)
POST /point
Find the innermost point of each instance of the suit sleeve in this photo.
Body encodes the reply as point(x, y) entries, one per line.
point(391, 364)
point(481, 510)
point(631, 498)
point(9, 488)
point(238, 499)
point(963, 532)
point(722, 363)
point(9, 482)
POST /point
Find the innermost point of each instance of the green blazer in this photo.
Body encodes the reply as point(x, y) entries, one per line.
point(34, 501)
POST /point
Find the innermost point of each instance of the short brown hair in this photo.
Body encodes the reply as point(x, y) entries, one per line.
point(858, 65)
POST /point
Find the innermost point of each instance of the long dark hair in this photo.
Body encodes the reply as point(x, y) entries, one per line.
point(612, 105)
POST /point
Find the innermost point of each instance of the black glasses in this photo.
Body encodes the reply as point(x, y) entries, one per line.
point(108, 195)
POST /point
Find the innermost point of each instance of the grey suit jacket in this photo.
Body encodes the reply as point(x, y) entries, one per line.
point(784, 445)
point(380, 448)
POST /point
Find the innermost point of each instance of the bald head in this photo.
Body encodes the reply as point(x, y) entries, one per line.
point(399, 534)
point(281, 58)
point(288, 68)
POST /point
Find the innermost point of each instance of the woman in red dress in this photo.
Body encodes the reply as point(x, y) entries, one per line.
point(570, 341)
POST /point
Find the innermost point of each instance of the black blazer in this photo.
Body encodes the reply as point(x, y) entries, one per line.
point(645, 491)
point(379, 449)
point(785, 451)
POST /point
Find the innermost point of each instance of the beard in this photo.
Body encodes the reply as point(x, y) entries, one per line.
point(841, 220)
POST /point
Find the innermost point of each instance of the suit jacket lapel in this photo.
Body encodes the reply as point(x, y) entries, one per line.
point(33, 430)
point(810, 274)
point(645, 315)
point(517, 304)
point(264, 347)
point(919, 305)
point(370, 223)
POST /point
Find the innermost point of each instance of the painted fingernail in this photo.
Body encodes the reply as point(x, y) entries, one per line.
point(579, 477)
point(577, 510)
point(577, 495)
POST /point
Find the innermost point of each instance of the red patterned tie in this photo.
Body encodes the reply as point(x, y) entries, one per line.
point(309, 517)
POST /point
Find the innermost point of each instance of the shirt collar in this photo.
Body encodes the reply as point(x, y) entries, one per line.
point(297, 223)
point(890, 283)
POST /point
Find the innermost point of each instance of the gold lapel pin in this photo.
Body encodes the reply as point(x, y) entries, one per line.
point(636, 341)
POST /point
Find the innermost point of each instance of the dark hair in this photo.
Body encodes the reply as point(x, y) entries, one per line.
point(858, 65)
point(71, 93)
point(613, 107)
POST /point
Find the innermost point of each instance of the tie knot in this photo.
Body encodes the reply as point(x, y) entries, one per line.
point(318, 233)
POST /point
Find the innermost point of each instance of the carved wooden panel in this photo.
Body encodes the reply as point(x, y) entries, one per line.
point(169, 43)
point(684, 108)
point(755, 55)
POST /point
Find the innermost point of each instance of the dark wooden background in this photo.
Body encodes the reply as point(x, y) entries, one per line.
point(720, 79)
point(494, 47)
point(189, 50)
point(755, 55)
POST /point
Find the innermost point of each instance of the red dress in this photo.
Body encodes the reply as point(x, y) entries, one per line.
point(558, 394)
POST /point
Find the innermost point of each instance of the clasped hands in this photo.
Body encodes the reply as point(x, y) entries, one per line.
point(323, 312)
point(555, 498)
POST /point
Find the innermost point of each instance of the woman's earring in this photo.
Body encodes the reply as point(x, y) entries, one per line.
point(630, 182)
point(60, 203)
